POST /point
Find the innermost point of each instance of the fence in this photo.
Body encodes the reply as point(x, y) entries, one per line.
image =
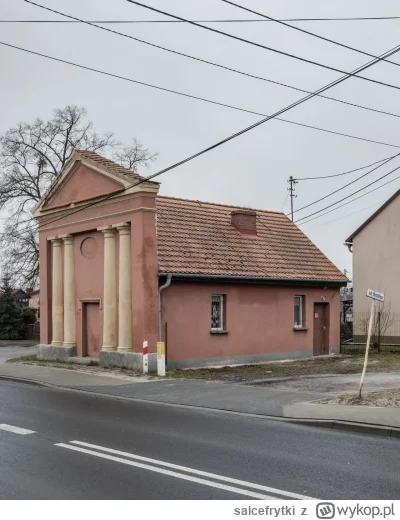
point(385, 330)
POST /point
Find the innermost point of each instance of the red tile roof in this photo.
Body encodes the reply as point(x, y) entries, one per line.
point(111, 166)
point(198, 238)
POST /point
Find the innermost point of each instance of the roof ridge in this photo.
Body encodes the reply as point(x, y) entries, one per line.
point(220, 204)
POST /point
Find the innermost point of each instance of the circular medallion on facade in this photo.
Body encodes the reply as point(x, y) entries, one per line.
point(89, 247)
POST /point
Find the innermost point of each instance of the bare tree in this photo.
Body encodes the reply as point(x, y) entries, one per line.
point(31, 156)
point(133, 156)
point(383, 320)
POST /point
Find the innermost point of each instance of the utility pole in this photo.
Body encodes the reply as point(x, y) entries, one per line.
point(292, 182)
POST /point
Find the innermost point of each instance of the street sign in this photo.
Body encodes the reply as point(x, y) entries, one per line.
point(375, 295)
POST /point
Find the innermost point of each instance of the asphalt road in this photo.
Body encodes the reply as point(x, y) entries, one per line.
point(69, 445)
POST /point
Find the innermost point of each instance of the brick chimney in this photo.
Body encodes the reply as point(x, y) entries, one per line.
point(244, 220)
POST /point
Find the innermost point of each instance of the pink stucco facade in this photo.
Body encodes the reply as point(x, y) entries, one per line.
point(259, 322)
point(75, 234)
point(89, 272)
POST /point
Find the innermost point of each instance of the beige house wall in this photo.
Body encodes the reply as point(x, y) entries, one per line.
point(376, 260)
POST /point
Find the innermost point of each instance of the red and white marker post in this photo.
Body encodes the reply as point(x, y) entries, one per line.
point(145, 357)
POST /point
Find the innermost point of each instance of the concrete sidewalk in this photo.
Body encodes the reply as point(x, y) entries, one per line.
point(269, 402)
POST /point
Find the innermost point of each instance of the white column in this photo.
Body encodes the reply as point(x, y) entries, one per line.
point(69, 293)
point(110, 291)
point(57, 294)
point(124, 289)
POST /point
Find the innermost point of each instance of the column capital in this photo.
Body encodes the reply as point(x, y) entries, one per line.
point(108, 231)
point(55, 241)
point(124, 228)
point(67, 239)
point(121, 225)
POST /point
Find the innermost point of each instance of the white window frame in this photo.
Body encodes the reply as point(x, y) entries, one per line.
point(299, 301)
point(221, 298)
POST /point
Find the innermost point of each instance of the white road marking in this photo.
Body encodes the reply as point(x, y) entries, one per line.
point(214, 476)
point(15, 429)
point(170, 473)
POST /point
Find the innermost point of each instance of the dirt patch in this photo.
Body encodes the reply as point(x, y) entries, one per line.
point(384, 398)
point(317, 366)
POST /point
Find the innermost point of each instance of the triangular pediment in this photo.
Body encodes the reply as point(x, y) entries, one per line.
point(84, 183)
point(85, 176)
point(88, 176)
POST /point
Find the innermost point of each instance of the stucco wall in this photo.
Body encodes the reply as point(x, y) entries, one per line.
point(259, 319)
point(89, 273)
point(376, 253)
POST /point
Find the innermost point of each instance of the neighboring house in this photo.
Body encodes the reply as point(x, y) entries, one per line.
point(22, 296)
point(346, 307)
point(34, 303)
point(346, 313)
point(120, 265)
point(376, 250)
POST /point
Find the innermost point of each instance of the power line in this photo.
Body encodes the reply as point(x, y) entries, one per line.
point(78, 20)
point(254, 125)
point(353, 200)
point(340, 174)
point(247, 129)
point(348, 184)
point(265, 47)
point(339, 19)
point(157, 87)
point(351, 194)
point(305, 31)
point(342, 217)
point(287, 196)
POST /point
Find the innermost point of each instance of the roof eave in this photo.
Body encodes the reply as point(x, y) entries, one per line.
point(256, 279)
point(349, 240)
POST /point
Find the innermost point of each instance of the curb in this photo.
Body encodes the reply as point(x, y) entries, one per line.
point(331, 424)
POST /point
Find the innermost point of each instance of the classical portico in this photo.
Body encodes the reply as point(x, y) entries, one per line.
point(98, 263)
point(117, 304)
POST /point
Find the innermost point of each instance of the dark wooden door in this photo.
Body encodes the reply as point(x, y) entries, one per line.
point(321, 329)
point(92, 337)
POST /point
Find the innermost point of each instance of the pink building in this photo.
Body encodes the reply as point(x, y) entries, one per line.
point(34, 302)
point(120, 265)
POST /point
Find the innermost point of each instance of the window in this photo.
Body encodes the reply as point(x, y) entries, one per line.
point(217, 312)
point(299, 312)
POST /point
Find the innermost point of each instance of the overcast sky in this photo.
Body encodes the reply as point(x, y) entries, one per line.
point(253, 169)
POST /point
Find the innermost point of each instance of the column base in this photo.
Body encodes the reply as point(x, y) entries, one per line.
point(129, 360)
point(104, 348)
point(54, 353)
point(69, 344)
point(124, 349)
point(56, 343)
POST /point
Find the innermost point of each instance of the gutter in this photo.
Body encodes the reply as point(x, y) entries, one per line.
point(254, 278)
point(349, 245)
point(160, 289)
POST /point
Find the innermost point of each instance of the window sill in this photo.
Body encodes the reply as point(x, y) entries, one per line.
point(300, 328)
point(215, 331)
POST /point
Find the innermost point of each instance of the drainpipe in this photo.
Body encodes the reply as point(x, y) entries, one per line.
point(165, 286)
